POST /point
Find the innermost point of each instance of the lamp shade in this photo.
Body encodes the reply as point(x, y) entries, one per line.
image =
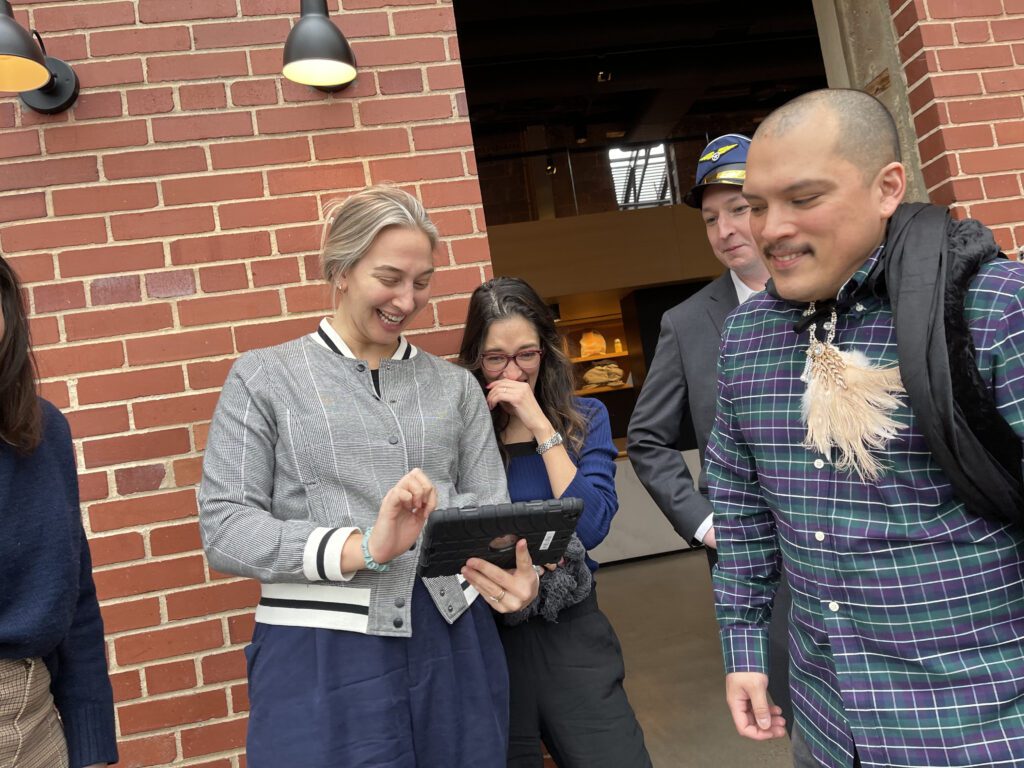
point(316, 53)
point(22, 64)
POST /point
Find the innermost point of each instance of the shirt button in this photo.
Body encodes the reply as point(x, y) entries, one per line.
point(818, 463)
point(360, 367)
point(819, 536)
point(399, 602)
point(393, 440)
point(398, 623)
point(859, 307)
point(833, 606)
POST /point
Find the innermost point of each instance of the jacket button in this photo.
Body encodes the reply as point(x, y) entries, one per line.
point(399, 602)
point(393, 440)
point(398, 623)
point(818, 464)
point(451, 608)
point(441, 591)
point(360, 367)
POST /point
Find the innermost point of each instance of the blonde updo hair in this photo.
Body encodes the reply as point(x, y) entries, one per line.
point(354, 224)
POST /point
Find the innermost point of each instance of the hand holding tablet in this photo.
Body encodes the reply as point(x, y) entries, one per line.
point(454, 535)
point(507, 591)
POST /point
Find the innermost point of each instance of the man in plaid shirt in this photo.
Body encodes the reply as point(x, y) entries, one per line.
point(907, 625)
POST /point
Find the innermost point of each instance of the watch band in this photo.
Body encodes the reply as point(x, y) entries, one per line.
point(551, 442)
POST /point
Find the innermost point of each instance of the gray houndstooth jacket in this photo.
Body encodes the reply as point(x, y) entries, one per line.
point(302, 451)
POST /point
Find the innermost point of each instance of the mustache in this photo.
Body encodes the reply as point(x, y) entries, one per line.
point(780, 249)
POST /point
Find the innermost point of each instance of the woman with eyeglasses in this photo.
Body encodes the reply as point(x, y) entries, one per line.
point(564, 660)
point(56, 704)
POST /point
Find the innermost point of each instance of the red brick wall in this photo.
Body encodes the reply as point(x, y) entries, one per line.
point(964, 61)
point(169, 222)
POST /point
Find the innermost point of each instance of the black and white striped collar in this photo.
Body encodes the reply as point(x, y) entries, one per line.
point(326, 336)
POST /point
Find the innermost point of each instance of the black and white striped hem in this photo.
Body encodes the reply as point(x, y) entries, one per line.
point(315, 605)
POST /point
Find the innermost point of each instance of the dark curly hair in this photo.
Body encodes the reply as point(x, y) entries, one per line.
point(500, 299)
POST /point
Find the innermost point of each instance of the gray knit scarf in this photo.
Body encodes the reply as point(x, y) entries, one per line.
point(568, 584)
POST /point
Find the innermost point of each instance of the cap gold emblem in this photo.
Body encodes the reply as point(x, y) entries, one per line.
point(716, 154)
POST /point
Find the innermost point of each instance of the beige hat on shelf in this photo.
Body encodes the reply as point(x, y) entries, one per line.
point(592, 343)
point(605, 375)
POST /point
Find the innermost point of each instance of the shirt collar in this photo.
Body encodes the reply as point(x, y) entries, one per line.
point(862, 275)
point(405, 349)
point(743, 291)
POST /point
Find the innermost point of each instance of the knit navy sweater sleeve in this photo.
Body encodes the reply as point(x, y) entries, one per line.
point(594, 481)
point(48, 605)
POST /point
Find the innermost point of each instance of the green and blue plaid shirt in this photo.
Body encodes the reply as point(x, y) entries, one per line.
point(907, 628)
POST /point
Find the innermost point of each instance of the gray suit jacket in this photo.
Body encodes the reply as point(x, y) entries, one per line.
point(683, 378)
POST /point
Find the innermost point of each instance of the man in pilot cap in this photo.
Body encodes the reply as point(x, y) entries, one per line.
point(681, 383)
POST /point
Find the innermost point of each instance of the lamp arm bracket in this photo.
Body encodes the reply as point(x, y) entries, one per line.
point(39, 40)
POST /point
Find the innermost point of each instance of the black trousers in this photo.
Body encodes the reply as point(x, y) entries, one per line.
point(778, 646)
point(565, 683)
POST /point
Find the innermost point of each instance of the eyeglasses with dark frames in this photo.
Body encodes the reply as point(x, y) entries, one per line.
point(527, 360)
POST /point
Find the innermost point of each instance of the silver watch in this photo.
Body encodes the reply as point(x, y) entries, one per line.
point(551, 442)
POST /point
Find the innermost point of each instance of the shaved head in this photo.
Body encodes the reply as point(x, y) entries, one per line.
point(823, 179)
point(865, 133)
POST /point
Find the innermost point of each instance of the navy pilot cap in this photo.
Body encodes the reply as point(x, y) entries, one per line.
point(723, 161)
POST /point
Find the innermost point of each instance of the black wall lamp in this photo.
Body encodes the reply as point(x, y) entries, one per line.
point(46, 84)
point(316, 53)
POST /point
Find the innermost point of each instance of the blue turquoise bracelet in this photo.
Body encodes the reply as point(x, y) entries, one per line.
point(368, 560)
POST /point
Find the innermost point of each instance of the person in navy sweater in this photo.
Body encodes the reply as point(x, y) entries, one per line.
point(564, 660)
point(52, 658)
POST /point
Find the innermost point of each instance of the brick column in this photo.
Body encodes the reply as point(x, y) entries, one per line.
point(964, 62)
point(169, 222)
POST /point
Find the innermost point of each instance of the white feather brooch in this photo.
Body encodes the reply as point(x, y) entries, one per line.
point(848, 403)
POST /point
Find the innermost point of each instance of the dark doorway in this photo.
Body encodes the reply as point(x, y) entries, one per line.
point(588, 118)
point(552, 86)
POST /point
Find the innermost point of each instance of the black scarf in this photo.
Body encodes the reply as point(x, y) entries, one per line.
point(928, 265)
point(925, 270)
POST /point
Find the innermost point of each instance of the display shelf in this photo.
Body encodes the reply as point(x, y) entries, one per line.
point(611, 329)
point(595, 358)
point(608, 326)
point(579, 322)
point(596, 390)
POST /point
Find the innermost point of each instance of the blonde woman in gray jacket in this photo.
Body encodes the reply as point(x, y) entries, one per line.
point(325, 457)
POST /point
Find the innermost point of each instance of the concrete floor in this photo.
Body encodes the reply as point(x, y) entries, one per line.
point(663, 612)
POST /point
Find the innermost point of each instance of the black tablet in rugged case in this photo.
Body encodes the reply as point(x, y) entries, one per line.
point(490, 532)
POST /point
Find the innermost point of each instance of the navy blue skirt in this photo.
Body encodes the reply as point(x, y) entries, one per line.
point(322, 698)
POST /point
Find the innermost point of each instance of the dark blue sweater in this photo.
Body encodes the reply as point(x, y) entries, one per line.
point(48, 604)
point(594, 481)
